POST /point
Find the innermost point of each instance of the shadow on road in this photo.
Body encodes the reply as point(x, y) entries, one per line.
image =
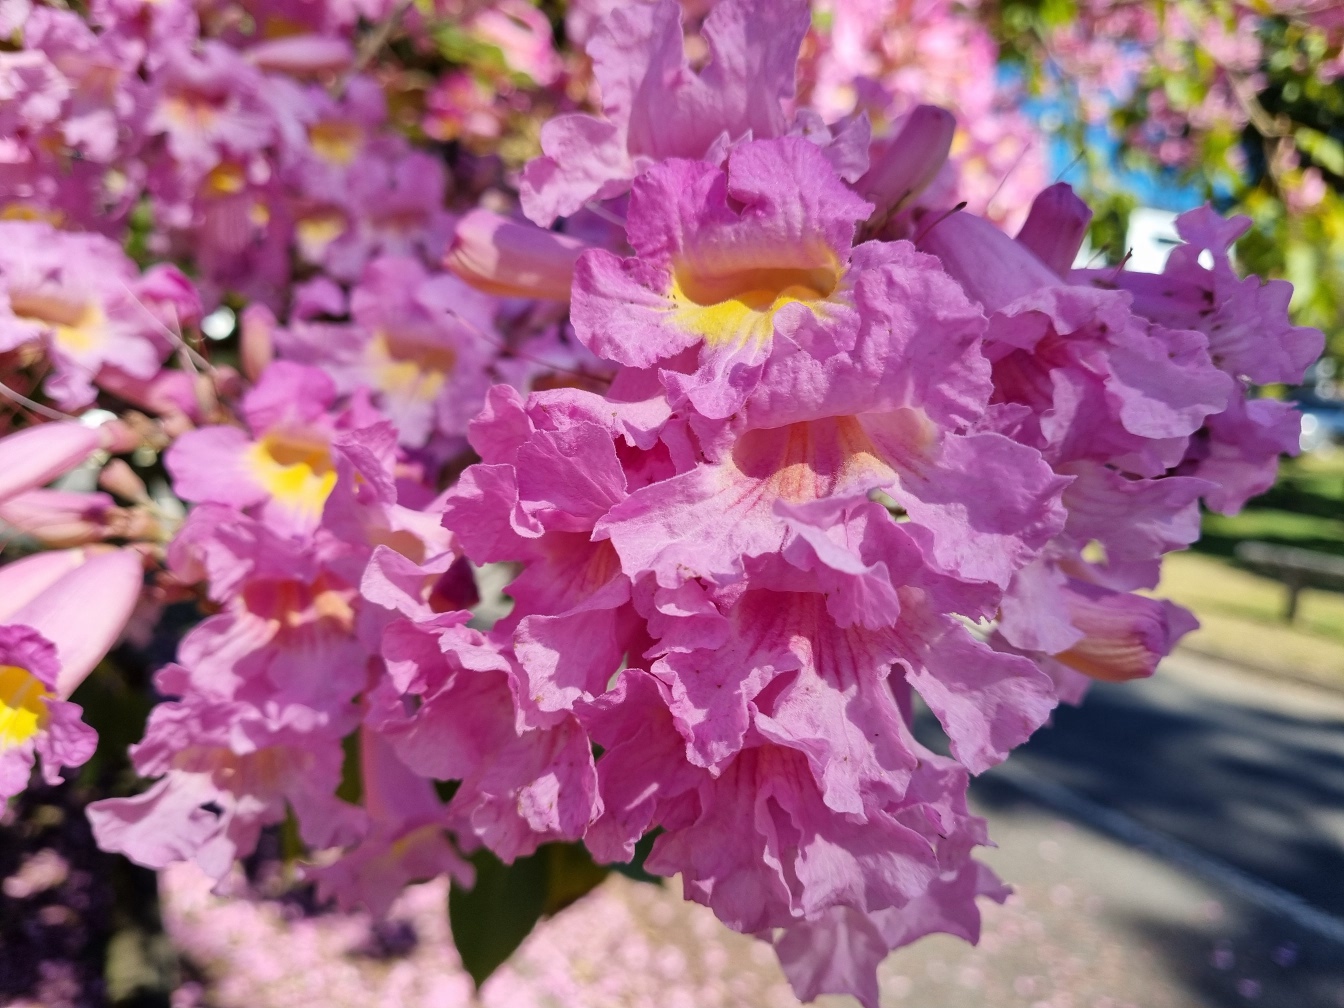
point(1247, 957)
point(1261, 790)
point(1258, 789)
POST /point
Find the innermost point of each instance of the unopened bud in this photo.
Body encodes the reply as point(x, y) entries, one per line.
point(37, 455)
point(1124, 635)
point(256, 344)
point(302, 55)
point(1056, 227)
point(84, 612)
point(28, 577)
point(119, 437)
point(991, 267)
point(58, 518)
point(119, 478)
point(511, 259)
point(909, 161)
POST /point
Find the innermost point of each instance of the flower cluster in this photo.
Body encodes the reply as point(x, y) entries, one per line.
point(885, 57)
point(1180, 86)
point(774, 442)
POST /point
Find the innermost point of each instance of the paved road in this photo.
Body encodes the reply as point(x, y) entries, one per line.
point(1247, 769)
point(1238, 771)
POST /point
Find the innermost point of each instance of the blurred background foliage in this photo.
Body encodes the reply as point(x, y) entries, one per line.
point(1172, 102)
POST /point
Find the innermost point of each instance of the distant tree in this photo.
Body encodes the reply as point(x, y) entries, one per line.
point(1241, 100)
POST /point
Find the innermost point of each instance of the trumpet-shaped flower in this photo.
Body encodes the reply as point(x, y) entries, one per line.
point(406, 841)
point(225, 770)
point(80, 300)
point(35, 719)
point(419, 342)
point(655, 107)
point(726, 266)
point(290, 465)
point(287, 627)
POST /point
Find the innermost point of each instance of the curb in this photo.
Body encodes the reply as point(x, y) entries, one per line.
point(1334, 684)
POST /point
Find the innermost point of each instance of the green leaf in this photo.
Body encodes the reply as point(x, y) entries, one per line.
point(351, 788)
point(1325, 150)
point(490, 920)
point(570, 874)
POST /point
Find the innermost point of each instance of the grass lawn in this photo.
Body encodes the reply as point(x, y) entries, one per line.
point(1241, 612)
point(1305, 508)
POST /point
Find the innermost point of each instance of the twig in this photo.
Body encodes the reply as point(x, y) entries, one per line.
point(36, 407)
point(371, 45)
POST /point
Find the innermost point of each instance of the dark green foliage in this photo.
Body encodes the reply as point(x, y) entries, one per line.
point(491, 920)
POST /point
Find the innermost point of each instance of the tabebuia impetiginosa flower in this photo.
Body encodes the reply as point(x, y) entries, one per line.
point(771, 437)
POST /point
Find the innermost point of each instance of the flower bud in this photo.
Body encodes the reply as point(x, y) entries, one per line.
point(511, 259)
point(1056, 226)
point(119, 478)
point(910, 160)
point(990, 266)
point(170, 391)
point(28, 577)
point(302, 55)
point(84, 612)
point(58, 518)
point(36, 455)
point(1125, 635)
point(119, 437)
point(256, 344)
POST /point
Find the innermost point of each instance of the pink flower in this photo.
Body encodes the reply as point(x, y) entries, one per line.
point(1100, 381)
point(655, 107)
point(1248, 329)
point(395, 207)
point(420, 343)
point(520, 787)
point(35, 719)
point(1124, 635)
point(226, 770)
point(772, 634)
point(762, 844)
point(324, 138)
point(61, 613)
point(81, 299)
point(209, 106)
point(1249, 338)
point(287, 626)
point(462, 107)
point(523, 35)
point(107, 103)
point(291, 464)
point(724, 264)
point(405, 842)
